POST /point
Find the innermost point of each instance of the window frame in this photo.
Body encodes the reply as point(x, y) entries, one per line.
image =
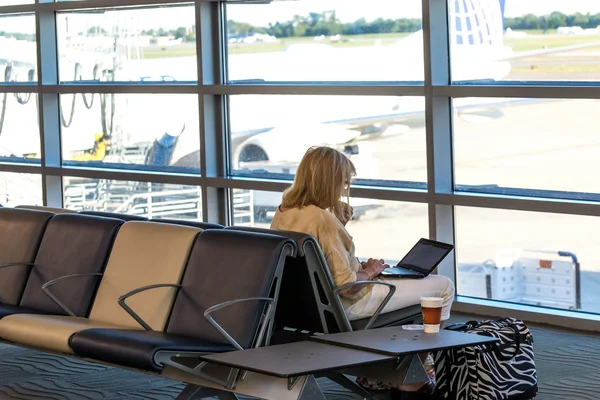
point(215, 180)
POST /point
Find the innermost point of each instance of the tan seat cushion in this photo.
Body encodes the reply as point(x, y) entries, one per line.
point(144, 253)
point(47, 332)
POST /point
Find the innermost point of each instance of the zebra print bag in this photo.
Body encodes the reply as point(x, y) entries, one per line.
point(504, 371)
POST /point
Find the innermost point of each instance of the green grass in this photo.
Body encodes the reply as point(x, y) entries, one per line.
point(561, 70)
point(183, 50)
point(539, 42)
point(189, 49)
point(535, 40)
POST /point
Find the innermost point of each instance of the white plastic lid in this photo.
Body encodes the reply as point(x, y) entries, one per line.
point(415, 327)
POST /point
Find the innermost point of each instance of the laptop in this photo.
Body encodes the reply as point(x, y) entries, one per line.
point(418, 263)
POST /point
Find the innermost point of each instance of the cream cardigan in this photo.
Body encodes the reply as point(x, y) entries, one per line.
point(335, 241)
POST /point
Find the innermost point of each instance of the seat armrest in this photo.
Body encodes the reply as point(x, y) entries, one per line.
point(223, 332)
point(16, 264)
point(46, 288)
point(142, 289)
point(392, 290)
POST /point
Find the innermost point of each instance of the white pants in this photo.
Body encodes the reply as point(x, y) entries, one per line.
point(408, 293)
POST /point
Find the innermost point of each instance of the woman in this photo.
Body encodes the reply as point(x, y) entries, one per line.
point(312, 205)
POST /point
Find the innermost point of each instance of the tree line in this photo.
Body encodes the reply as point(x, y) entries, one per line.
point(316, 24)
point(30, 37)
point(327, 24)
point(553, 21)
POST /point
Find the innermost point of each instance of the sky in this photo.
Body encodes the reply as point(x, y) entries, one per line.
point(262, 14)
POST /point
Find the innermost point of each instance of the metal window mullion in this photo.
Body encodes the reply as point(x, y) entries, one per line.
point(126, 175)
point(95, 4)
point(279, 185)
point(554, 206)
point(18, 9)
point(19, 88)
point(217, 89)
point(48, 104)
point(211, 107)
point(123, 88)
point(341, 89)
point(439, 125)
point(21, 168)
point(554, 90)
point(316, 89)
point(62, 5)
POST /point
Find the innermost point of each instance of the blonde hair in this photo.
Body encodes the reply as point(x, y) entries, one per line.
point(322, 178)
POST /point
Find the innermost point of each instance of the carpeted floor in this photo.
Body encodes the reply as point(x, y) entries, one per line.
point(567, 364)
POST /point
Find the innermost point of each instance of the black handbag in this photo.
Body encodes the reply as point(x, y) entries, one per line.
point(502, 371)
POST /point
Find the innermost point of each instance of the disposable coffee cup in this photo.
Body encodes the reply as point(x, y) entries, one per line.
point(431, 307)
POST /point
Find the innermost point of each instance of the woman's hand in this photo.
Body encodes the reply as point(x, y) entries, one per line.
point(373, 267)
point(346, 211)
point(370, 270)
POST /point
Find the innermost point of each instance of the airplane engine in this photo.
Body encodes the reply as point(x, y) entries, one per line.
point(287, 144)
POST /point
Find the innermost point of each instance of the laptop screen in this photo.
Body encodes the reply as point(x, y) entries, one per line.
point(425, 255)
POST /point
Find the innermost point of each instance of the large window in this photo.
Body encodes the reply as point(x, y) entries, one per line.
point(508, 40)
point(545, 147)
point(326, 40)
point(469, 121)
point(138, 45)
point(19, 127)
point(20, 189)
point(18, 66)
point(540, 259)
point(135, 131)
point(18, 44)
point(384, 136)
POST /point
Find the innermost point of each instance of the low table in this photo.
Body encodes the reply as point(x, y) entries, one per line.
point(395, 341)
point(296, 359)
point(389, 354)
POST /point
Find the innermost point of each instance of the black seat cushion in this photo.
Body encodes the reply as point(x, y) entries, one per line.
point(136, 348)
point(7, 309)
point(227, 265)
point(394, 318)
point(185, 222)
point(21, 232)
point(124, 217)
point(72, 244)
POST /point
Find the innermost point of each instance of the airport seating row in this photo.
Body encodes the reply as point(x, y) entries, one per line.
point(120, 292)
point(148, 294)
point(309, 302)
